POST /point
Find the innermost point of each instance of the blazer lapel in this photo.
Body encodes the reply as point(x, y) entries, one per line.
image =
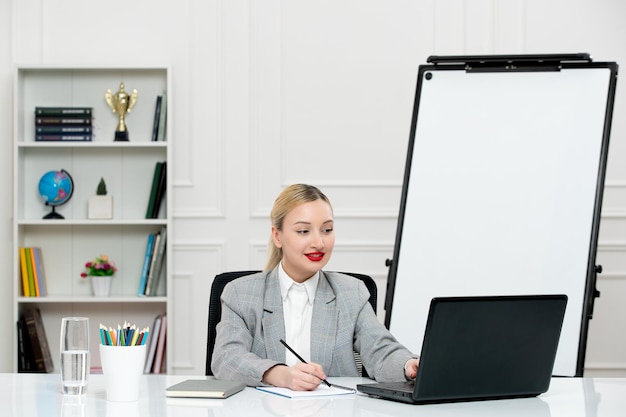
point(273, 318)
point(324, 324)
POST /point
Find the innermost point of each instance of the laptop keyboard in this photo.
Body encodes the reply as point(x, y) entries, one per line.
point(406, 386)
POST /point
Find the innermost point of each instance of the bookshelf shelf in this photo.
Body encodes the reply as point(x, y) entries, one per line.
point(91, 300)
point(115, 145)
point(127, 167)
point(104, 223)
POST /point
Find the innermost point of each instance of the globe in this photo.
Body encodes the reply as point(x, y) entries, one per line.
point(56, 188)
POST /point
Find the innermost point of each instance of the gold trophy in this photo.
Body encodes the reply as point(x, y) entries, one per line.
point(121, 103)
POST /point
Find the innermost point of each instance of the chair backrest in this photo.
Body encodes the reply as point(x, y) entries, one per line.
point(215, 308)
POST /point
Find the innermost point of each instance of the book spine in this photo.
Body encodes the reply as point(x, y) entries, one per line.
point(43, 341)
point(161, 136)
point(29, 269)
point(31, 254)
point(61, 121)
point(38, 340)
point(31, 328)
point(160, 349)
point(50, 137)
point(21, 351)
point(153, 344)
point(152, 270)
point(157, 118)
point(41, 273)
point(64, 111)
point(158, 262)
point(158, 199)
point(153, 189)
point(146, 265)
point(65, 130)
point(26, 360)
point(24, 271)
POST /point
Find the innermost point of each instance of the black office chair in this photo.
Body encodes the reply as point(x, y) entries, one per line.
point(215, 309)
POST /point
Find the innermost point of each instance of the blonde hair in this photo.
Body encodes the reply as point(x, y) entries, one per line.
point(287, 200)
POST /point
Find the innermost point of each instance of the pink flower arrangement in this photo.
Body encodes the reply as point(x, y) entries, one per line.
point(100, 267)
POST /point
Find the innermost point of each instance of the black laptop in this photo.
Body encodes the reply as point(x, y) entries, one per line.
point(482, 348)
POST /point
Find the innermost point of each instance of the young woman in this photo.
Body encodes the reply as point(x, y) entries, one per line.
point(323, 316)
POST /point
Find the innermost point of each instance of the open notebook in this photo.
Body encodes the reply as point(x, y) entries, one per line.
point(321, 391)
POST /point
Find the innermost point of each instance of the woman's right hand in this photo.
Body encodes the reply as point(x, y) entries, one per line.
point(300, 377)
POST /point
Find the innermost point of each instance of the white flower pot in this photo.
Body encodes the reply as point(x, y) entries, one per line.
point(101, 286)
point(100, 207)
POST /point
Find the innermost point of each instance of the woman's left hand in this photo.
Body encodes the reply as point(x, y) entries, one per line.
point(410, 368)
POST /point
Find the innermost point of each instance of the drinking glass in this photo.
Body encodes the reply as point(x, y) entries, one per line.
point(74, 354)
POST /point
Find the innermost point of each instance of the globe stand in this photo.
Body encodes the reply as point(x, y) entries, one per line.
point(53, 215)
point(56, 188)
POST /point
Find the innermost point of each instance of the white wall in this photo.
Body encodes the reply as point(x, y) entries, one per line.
point(271, 92)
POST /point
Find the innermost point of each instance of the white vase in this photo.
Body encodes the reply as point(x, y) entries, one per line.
point(100, 207)
point(101, 286)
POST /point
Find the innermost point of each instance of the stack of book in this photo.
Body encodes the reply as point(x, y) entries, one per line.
point(153, 263)
point(155, 357)
point(32, 272)
point(32, 344)
point(63, 124)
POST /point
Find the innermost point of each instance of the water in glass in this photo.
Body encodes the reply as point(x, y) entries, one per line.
point(74, 368)
point(75, 354)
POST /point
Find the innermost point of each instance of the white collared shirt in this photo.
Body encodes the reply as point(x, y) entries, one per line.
point(298, 314)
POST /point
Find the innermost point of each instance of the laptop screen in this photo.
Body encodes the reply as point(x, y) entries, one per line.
point(489, 347)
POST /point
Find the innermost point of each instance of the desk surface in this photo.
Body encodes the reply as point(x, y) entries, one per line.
point(27, 395)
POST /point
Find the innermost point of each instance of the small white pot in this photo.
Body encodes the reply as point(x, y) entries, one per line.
point(101, 286)
point(100, 207)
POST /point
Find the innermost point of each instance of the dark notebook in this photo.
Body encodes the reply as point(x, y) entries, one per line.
point(479, 348)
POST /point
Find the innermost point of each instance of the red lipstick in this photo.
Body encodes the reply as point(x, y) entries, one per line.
point(315, 256)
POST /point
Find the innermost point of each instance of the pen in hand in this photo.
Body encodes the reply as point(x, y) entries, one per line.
point(302, 359)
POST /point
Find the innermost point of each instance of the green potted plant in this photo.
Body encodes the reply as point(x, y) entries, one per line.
point(100, 206)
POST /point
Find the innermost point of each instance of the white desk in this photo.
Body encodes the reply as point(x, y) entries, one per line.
point(29, 395)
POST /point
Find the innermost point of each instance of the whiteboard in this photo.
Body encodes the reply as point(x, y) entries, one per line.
point(502, 193)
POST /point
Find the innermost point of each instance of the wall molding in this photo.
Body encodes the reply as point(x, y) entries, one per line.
point(363, 246)
point(199, 214)
point(360, 208)
point(612, 246)
point(613, 214)
point(186, 278)
point(189, 245)
point(612, 276)
point(614, 189)
point(606, 366)
point(384, 214)
point(349, 184)
point(186, 366)
point(343, 246)
point(608, 212)
point(217, 247)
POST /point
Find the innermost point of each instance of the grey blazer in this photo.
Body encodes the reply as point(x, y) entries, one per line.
point(252, 324)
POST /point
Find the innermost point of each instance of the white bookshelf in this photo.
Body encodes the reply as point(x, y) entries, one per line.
point(127, 168)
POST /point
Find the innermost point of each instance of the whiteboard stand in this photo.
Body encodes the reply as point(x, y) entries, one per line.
point(503, 187)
